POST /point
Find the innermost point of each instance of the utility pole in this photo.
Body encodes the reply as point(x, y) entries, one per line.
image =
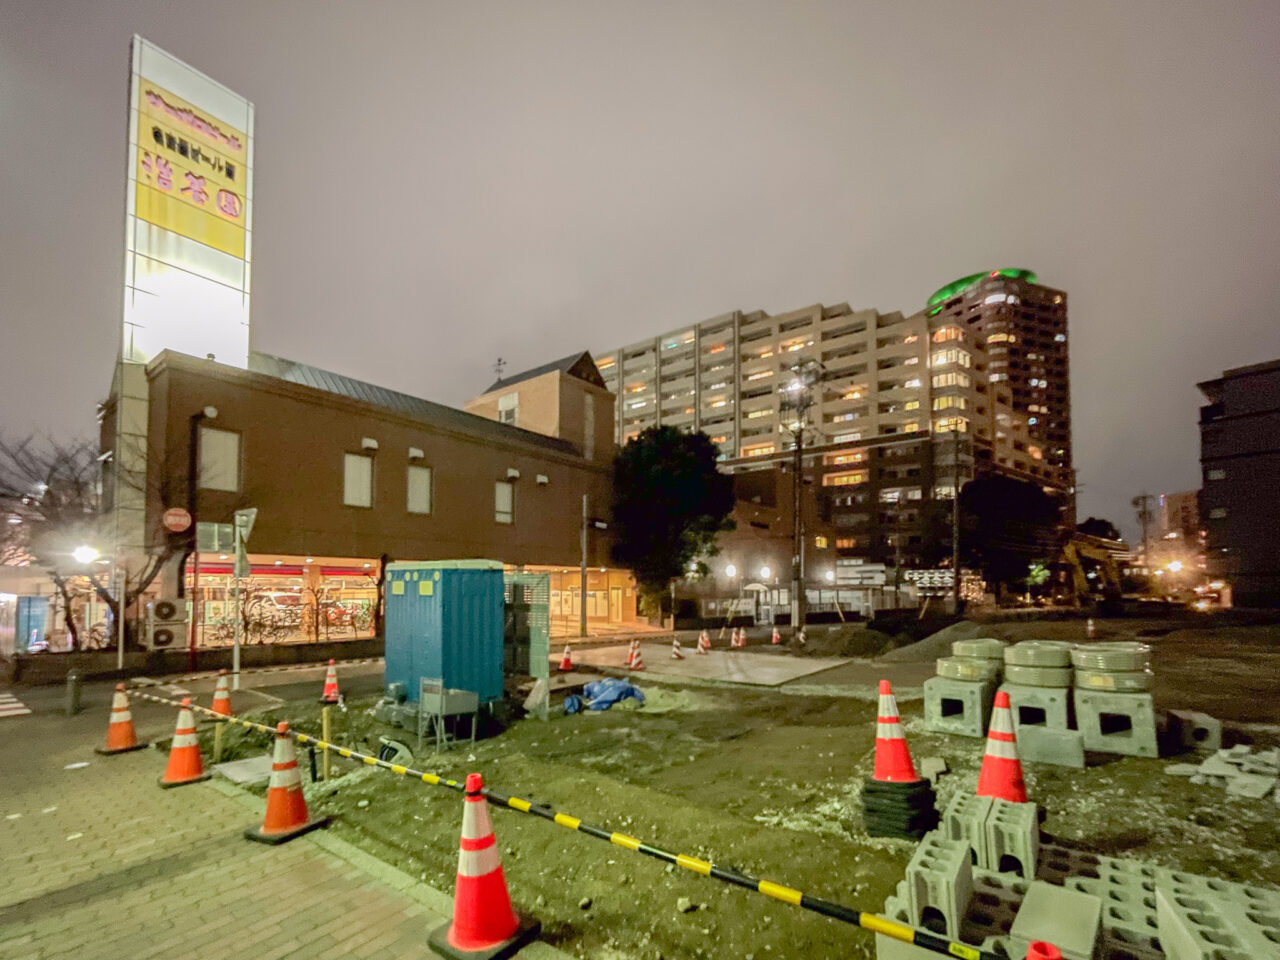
point(582, 575)
point(1143, 504)
point(797, 396)
point(955, 523)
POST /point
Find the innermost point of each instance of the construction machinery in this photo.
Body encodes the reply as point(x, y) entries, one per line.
point(1087, 571)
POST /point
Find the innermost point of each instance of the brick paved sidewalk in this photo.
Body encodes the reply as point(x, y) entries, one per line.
point(100, 862)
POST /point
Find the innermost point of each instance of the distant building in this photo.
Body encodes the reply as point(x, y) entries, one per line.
point(909, 407)
point(345, 472)
point(1240, 463)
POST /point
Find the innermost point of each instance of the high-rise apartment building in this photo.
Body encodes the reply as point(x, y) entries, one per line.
point(907, 405)
point(1024, 325)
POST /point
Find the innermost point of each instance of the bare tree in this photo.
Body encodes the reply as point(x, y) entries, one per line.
point(51, 500)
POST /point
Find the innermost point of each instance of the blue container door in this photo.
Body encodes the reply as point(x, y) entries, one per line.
point(472, 631)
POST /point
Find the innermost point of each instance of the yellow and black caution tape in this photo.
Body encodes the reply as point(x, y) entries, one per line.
point(777, 891)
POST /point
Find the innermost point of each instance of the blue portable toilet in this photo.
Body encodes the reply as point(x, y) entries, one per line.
point(29, 624)
point(444, 619)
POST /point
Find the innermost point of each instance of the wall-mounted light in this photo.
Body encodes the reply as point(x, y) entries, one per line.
point(513, 473)
point(416, 454)
point(542, 480)
point(730, 571)
point(368, 443)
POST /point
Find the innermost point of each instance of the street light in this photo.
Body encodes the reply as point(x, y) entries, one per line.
point(831, 576)
point(797, 399)
point(731, 571)
point(765, 573)
point(1175, 566)
point(85, 554)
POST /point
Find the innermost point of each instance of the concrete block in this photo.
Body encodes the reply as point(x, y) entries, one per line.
point(965, 819)
point(1123, 723)
point(1038, 706)
point(888, 948)
point(939, 884)
point(1208, 926)
point(1064, 748)
point(961, 707)
point(931, 768)
point(1068, 919)
point(1217, 766)
point(1012, 839)
point(1252, 785)
point(1195, 731)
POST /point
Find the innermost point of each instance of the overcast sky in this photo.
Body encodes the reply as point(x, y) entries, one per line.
point(439, 183)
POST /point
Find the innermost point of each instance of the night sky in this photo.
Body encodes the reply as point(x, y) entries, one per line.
point(438, 184)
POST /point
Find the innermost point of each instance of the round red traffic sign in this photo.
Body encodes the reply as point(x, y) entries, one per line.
point(176, 520)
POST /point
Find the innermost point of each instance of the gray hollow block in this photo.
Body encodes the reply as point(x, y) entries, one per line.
point(1038, 706)
point(939, 884)
point(1123, 723)
point(1196, 926)
point(1068, 919)
point(1012, 839)
point(965, 819)
point(888, 948)
point(1064, 748)
point(961, 707)
point(1195, 730)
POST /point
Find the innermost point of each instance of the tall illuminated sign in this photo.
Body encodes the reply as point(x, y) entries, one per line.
point(188, 213)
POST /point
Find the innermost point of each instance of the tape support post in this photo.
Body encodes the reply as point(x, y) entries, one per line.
point(775, 891)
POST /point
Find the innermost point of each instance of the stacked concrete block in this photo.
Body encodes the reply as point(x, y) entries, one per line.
point(1012, 832)
point(1197, 922)
point(939, 883)
point(1038, 680)
point(1191, 730)
point(958, 700)
point(1122, 666)
point(965, 819)
point(1068, 919)
point(1123, 723)
point(1062, 748)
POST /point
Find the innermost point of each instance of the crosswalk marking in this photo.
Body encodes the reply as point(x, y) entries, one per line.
point(11, 706)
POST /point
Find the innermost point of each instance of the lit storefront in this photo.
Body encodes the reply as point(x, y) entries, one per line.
point(286, 599)
point(611, 599)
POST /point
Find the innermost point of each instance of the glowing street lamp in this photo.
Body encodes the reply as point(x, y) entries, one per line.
point(831, 576)
point(1174, 566)
point(84, 554)
point(731, 571)
point(765, 573)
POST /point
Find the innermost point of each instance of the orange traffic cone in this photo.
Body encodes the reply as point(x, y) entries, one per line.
point(776, 637)
point(286, 815)
point(566, 662)
point(1001, 773)
point(121, 737)
point(893, 759)
point(1039, 950)
point(484, 926)
point(637, 658)
point(184, 756)
point(222, 696)
point(704, 642)
point(675, 649)
point(330, 694)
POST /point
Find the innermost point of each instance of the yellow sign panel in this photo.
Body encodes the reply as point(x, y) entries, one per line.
point(192, 171)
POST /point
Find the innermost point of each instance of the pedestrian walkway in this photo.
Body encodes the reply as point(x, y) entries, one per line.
point(103, 863)
point(11, 706)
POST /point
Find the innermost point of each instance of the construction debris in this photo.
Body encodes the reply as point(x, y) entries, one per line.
point(1243, 772)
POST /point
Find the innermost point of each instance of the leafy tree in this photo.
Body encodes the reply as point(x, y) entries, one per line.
point(50, 501)
point(1097, 527)
point(1005, 525)
point(669, 502)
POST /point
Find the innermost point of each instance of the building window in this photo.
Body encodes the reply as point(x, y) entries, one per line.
point(844, 479)
point(504, 501)
point(1218, 513)
point(1215, 474)
point(846, 543)
point(419, 489)
point(219, 459)
point(508, 407)
point(946, 403)
point(820, 543)
point(357, 480)
point(943, 357)
point(949, 424)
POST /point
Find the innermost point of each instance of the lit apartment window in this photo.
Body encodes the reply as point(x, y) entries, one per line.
point(1217, 513)
point(820, 543)
point(1213, 474)
point(846, 479)
point(910, 338)
point(911, 405)
point(949, 424)
point(835, 459)
point(948, 333)
point(508, 406)
point(760, 375)
point(911, 426)
point(418, 496)
point(913, 384)
point(1060, 337)
point(956, 379)
point(757, 414)
point(999, 338)
point(846, 438)
point(846, 543)
point(219, 459)
point(759, 451)
point(941, 358)
point(357, 480)
point(504, 501)
point(946, 403)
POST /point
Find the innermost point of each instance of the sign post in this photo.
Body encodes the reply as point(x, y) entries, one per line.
point(244, 520)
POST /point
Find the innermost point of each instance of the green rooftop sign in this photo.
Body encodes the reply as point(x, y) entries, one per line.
point(957, 287)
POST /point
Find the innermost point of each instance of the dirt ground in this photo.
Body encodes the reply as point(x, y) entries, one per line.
point(769, 782)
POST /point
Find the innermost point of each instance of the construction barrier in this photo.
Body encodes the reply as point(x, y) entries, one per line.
point(776, 891)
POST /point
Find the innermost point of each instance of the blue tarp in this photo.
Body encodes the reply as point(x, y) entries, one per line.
point(603, 694)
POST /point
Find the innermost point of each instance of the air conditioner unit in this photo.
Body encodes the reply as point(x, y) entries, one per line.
point(166, 624)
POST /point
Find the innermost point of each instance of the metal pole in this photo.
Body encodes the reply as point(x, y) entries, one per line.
point(324, 732)
point(582, 574)
point(797, 533)
point(955, 526)
point(193, 480)
point(235, 649)
point(122, 577)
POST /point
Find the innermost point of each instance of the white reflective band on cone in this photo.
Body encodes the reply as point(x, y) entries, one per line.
point(889, 731)
point(1002, 749)
point(288, 777)
point(475, 821)
point(185, 740)
point(121, 716)
point(1001, 721)
point(478, 863)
